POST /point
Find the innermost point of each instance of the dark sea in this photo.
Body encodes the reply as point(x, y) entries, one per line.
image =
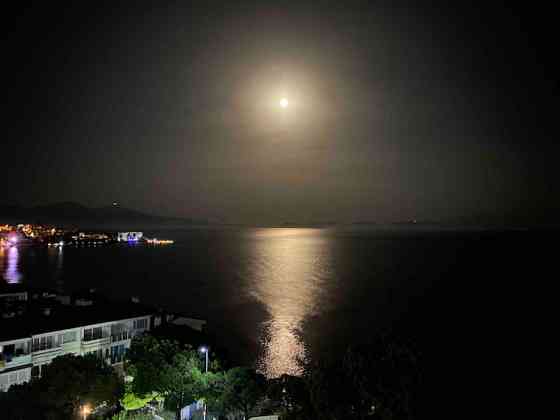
point(467, 300)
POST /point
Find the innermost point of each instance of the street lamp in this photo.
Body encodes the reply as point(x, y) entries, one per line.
point(85, 411)
point(204, 350)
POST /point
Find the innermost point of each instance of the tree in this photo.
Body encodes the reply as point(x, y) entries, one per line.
point(385, 375)
point(214, 392)
point(379, 380)
point(243, 388)
point(164, 367)
point(68, 383)
point(73, 381)
point(12, 407)
point(289, 396)
point(131, 401)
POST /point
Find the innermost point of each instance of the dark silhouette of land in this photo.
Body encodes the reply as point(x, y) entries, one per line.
point(76, 213)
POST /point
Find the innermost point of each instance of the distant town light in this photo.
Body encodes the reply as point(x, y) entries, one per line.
point(156, 241)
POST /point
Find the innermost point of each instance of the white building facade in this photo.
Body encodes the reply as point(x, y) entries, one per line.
point(129, 236)
point(24, 358)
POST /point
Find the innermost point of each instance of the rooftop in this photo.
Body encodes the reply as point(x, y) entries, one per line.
point(34, 321)
point(12, 288)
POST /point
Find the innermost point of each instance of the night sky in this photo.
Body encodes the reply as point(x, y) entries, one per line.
point(397, 110)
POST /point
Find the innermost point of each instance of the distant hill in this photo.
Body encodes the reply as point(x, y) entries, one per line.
point(65, 213)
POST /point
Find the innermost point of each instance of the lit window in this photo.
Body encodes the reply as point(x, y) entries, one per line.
point(140, 324)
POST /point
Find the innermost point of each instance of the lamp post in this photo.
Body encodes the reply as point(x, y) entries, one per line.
point(85, 411)
point(204, 349)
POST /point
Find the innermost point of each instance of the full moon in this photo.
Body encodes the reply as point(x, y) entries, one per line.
point(284, 102)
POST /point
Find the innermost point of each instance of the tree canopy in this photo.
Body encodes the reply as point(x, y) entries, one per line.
point(379, 380)
point(176, 372)
point(166, 368)
point(68, 383)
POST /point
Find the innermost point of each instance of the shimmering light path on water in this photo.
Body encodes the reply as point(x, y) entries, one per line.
point(290, 268)
point(275, 296)
point(9, 264)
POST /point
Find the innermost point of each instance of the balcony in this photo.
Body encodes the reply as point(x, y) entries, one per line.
point(46, 354)
point(94, 336)
point(45, 346)
point(95, 343)
point(8, 361)
point(122, 336)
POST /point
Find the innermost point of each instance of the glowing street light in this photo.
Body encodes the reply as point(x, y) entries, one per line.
point(204, 349)
point(85, 411)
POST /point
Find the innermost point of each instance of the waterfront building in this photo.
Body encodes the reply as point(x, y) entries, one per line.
point(88, 236)
point(31, 338)
point(129, 236)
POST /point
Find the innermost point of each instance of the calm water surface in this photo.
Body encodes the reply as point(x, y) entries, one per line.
point(274, 296)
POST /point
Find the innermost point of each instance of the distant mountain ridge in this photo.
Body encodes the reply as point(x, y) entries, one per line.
point(72, 212)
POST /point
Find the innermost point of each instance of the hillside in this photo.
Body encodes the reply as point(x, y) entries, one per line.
point(65, 213)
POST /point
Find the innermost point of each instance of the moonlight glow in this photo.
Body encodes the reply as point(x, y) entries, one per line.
point(284, 103)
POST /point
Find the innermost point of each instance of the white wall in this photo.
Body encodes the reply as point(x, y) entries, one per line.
point(15, 377)
point(60, 347)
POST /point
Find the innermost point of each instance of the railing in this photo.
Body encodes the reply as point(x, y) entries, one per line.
point(13, 360)
point(45, 346)
point(9, 357)
point(95, 337)
point(124, 335)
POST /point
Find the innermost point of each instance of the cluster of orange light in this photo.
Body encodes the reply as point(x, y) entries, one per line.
point(38, 231)
point(156, 241)
point(6, 228)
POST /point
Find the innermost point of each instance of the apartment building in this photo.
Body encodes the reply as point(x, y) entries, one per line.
point(31, 338)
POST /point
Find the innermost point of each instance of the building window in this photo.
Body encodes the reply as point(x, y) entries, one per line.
point(93, 333)
point(69, 336)
point(140, 324)
point(119, 332)
point(35, 372)
point(8, 352)
point(43, 343)
point(123, 335)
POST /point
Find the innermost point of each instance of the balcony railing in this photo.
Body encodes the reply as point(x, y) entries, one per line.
point(124, 335)
point(12, 360)
point(9, 357)
point(45, 346)
point(92, 337)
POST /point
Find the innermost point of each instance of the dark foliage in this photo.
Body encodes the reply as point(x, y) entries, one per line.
point(67, 384)
point(380, 380)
